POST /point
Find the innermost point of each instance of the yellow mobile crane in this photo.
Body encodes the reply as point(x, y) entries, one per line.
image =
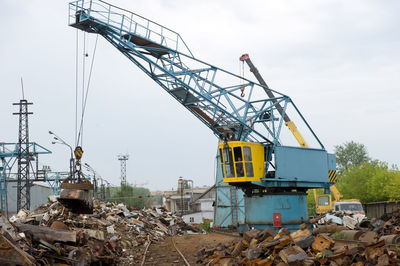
point(323, 203)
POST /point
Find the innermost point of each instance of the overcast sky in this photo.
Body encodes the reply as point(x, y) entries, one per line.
point(338, 60)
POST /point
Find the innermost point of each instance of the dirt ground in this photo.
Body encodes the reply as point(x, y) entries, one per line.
point(164, 253)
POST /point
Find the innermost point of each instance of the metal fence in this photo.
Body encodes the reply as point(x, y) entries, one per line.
point(377, 209)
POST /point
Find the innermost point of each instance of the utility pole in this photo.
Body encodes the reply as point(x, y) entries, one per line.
point(108, 191)
point(59, 140)
point(24, 157)
point(3, 178)
point(95, 194)
point(96, 178)
point(123, 158)
point(181, 189)
point(97, 184)
point(102, 190)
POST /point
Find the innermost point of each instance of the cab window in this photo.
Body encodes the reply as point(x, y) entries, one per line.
point(228, 160)
point(222, 162)
point(237, 152)
point(248, 161)
point(323, 200)
point(247, 153)
point(249, 169)
point(239, 169)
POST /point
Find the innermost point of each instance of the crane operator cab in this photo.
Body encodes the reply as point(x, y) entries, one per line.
point(242, 161)
point(245, 162)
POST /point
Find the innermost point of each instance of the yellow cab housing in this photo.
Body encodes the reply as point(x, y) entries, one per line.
point(242, 161)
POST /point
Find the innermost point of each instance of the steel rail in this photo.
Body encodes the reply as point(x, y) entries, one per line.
point(180, 253)
point(145, 251)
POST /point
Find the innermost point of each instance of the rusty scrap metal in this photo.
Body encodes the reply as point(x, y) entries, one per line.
point(113, 234)
point(48, 234)
point(374, 243)
point(13, 255)
point(369, 236)
point(77, 200)
point(350, 234)
point(391, 239)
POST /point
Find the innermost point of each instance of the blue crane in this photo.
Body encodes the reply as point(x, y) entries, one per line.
point(9, 153)
point(274, 177)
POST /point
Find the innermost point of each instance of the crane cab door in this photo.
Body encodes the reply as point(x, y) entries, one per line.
point(242, 161)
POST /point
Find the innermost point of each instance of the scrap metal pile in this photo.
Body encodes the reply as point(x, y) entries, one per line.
point(371, 242)
point(113, 234)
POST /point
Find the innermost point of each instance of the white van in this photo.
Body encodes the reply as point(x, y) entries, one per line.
point(349, 205)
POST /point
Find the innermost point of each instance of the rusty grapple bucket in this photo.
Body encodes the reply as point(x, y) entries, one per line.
point(76, 197)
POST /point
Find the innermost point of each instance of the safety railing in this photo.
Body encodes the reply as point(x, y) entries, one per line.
point(126, 22)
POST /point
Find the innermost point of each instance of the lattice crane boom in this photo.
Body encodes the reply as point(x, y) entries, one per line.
point(210, 93)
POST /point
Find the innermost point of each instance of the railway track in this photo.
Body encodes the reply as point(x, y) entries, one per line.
point(164, 254)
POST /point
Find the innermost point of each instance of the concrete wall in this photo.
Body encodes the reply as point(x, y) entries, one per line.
point(206, 205)
point(39, 194)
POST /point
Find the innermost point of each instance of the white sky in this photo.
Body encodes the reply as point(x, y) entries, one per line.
point(338, 60)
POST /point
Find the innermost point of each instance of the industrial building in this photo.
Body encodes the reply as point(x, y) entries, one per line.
point(39, 196)
point(202, 207)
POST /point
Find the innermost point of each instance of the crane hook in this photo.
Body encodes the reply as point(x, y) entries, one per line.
point(242, 90)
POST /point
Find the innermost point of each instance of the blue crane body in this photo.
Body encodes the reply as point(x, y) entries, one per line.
point(275, 177)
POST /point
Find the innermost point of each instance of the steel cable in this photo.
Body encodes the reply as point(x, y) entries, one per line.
point(85, 96)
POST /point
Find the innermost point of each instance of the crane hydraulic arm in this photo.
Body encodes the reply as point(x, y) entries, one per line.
point(323, 202)
point(252, 156)
point(292, 127)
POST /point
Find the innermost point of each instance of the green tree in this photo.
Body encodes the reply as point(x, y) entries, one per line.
point(311, 203)
point(350, 154)
point(370, 182)
point(137, 197)
point(392, 189)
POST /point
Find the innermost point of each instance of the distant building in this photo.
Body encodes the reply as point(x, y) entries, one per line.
point(202, 207)
point(193, 204)
point(181, 203)
point(178, 204)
